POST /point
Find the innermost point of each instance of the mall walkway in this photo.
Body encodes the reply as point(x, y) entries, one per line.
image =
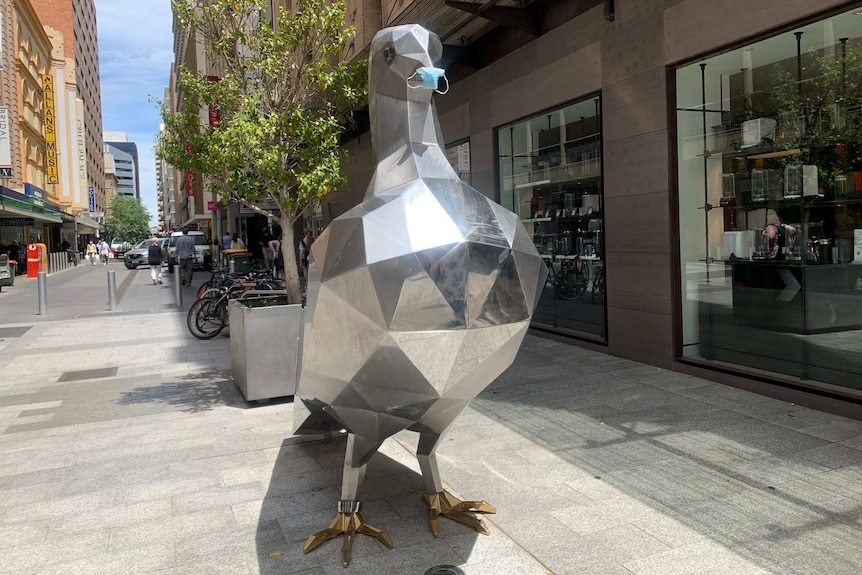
point(125, 448)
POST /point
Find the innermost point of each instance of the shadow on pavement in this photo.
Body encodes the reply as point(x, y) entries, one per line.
point(194, 393)
point(303, 496)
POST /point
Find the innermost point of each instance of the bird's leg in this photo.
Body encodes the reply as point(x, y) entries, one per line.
point(348, 522)
point(439, 501)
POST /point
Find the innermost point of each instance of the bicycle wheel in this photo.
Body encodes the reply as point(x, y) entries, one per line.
point(598, 286)
point(570, 284)
point(207, 317)
point(204, 287)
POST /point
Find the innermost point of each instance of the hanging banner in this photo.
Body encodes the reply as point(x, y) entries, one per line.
point(190, 184)
point(5, 144)
point(215, 115)
point(52, 173)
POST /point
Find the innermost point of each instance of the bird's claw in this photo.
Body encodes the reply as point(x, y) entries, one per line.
point(347, 524)
point(443, 503)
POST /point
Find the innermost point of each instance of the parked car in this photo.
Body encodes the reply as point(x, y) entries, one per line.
point(120, 247)
point(137, 256)
point(203, 255)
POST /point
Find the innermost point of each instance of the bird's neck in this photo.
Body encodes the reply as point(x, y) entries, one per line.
point(406, 139)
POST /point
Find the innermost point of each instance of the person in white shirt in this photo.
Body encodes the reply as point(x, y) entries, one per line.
point(236, 243)
point(277, 261)
point(104, 251)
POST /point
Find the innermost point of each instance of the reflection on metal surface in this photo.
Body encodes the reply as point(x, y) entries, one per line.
point(444, 503)
point(420, 296)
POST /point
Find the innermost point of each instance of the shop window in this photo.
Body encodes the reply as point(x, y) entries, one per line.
point(769, 142)
point(550, 174)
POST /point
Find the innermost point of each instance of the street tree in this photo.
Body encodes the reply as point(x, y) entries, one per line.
point(126, 218)
point(277, 108)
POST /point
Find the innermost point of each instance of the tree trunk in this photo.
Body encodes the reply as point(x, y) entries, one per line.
point(288, 254)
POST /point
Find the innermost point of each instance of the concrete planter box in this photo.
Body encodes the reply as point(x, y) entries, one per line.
point(264, 344)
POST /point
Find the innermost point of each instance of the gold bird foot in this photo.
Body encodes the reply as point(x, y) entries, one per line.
point(348, 523)
point(443, 503)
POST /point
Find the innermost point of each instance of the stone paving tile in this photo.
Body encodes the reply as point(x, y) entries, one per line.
point(172, 529)
point(833, 456)
point(696, 559)
point(148, 559)
point(32, 558)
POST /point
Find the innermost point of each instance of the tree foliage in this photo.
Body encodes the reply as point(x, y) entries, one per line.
point(127, 219)
point(282, 95)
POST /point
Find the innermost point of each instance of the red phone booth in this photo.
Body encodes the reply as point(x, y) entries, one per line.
point(37, 259)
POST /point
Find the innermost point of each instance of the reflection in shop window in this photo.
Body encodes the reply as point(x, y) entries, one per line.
point(770, 204)
point(550, 174)
point(459, 158)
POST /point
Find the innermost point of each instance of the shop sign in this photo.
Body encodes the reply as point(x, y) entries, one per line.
point(51, 167)
point(16, 222)
point(214, 113)
point(5, 144)
point(92, 193)
point(212, 206)
point(36, 195)
point(190, 184)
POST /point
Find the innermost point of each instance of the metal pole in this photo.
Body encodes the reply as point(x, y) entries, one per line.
point(178, 285)
point(112, 290)
point(43, 293)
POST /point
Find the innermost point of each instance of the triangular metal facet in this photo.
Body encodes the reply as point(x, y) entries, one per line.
point(346, 248)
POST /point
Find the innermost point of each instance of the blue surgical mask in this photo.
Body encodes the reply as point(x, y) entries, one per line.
point(430, 78)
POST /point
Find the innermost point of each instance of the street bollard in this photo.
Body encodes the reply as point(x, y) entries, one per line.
point(178, 285)
point(42, 282)
point(112, 290)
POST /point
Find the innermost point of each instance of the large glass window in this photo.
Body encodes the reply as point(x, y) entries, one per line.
point(770, 204)
point(550, 174)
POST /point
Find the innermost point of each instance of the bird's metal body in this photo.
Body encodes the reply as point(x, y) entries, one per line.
point(425, 292)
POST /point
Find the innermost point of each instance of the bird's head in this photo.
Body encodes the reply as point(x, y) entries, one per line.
point(404, 58)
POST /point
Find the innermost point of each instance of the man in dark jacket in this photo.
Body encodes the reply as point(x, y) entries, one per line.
point(154, 259)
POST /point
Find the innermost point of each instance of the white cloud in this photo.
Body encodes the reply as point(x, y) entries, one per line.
point(135, 55)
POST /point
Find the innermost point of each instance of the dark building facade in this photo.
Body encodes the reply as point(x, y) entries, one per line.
point(690, 169)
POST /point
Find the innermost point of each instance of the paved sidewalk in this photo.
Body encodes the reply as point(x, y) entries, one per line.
point(151, 462)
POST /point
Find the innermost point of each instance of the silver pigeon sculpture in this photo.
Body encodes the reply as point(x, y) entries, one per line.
point(419, 297)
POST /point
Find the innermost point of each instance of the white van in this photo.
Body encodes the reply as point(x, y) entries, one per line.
point(203, 254)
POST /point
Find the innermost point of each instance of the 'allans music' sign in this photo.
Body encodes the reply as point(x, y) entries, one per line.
point(51, 167)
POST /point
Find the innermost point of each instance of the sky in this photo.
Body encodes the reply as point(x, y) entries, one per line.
point(135, 55)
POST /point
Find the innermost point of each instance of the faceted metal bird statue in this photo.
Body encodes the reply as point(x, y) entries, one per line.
point(425, 293)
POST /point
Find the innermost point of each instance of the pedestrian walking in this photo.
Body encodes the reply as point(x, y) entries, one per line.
point(186, 255)
point(154, 259)
point(104, 251)
point(305, 251)
point(92, 251)
point(277, 260)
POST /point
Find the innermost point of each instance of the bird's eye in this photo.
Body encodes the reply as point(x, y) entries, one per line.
point(388, 54)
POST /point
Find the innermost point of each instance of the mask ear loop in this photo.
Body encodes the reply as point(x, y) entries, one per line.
point(413, 75)
point(420, 85)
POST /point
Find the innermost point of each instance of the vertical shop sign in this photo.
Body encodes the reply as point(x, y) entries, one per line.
point(215, 115)
point(5, 144)
point(51, 168)
point(190, 184)
point(92, 193)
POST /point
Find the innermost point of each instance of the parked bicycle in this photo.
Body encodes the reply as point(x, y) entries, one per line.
point(257, 278)
point(569, 282)
point(208, 316)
